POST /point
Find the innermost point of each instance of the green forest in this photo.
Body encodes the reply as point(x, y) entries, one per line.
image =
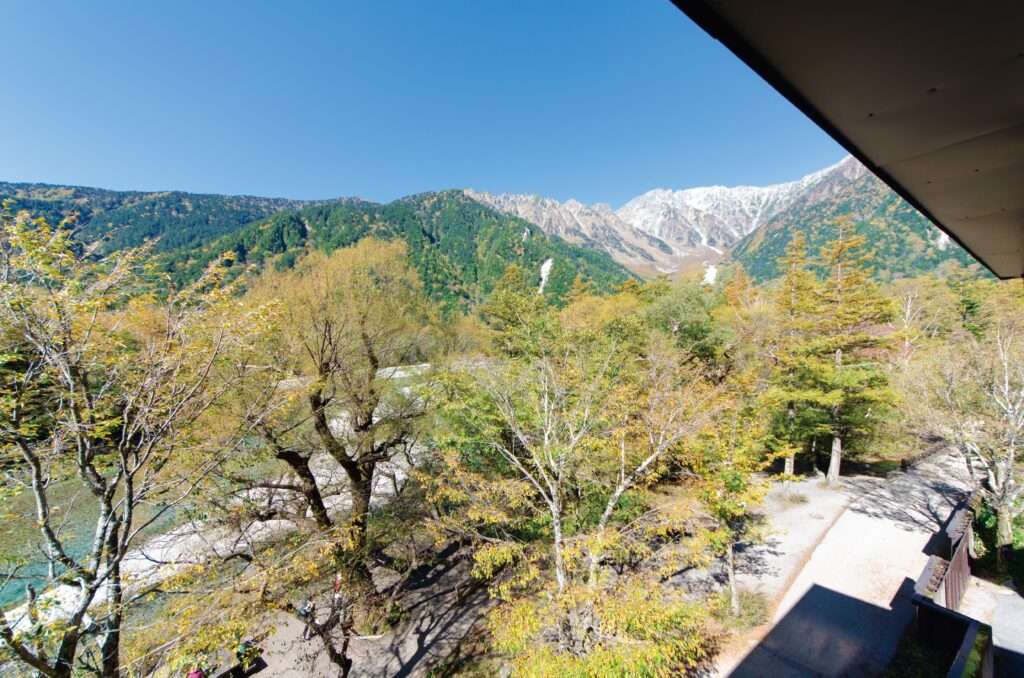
point(904, 242)
point(126, 219)
point(459, 248)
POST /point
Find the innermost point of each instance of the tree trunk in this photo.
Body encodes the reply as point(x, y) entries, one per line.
point(353, 551)
point(835, 460)
point(66, 655)
point(734, 596)
point(1004, 534)
point(609, 509)
point(787, 474)
point(110, 645)
point(362, 492)
point(592, 559)
point(557, 547)
point(307, 483)
point(314, 500)
point(837, 443)
point(790, 458)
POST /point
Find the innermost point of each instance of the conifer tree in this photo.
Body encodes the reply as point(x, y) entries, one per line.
point(845, 365)
point(829, 381)
point(740, 291)
point(799, 419)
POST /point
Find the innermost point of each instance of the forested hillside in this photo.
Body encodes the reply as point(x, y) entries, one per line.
point(459, 247)
point(124, 219)
point(904, 243)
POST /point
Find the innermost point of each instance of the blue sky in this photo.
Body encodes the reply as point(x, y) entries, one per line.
point(591, 100)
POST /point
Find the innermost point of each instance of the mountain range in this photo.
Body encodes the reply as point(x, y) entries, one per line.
point(462, 240)
point(123, 219)
point(666, 231)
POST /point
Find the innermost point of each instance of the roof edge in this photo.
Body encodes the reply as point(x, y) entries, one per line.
point(702, 14)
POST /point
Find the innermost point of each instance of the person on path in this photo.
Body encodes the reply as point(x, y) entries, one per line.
point(308, 613)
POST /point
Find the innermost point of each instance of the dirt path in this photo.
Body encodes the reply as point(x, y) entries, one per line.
point(441, 608)
point(799, 516)
point(846, 609)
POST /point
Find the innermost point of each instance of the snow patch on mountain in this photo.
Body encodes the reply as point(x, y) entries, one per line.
point(545, 271)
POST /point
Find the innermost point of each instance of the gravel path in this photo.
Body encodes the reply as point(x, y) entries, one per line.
point(846, 609)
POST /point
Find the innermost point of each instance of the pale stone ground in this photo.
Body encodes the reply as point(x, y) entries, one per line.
point(795, 529)
point(840, 533)
point(846, 608)
point(982, 598)
point(836, 569)
point(441, 611)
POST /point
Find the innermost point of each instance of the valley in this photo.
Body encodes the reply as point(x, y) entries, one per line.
point(450, 419)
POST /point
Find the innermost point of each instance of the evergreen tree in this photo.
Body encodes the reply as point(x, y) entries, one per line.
point(798, 405)
point(828, 380)
point(518, 316)
point(844, 364)
point(740, 290)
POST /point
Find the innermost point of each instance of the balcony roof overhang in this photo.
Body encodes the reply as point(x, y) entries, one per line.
point(928, 95)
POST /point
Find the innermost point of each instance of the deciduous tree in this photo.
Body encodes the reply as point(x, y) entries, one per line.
point(330, 374)
point(105, 387)
point(978, 390)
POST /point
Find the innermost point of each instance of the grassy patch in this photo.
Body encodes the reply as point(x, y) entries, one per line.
point(794, 498)
point(977, 656)
point(753, 610)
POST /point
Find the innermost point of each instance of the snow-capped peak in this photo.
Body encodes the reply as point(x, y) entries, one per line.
point(664, 230)
point(718, 216)
point(595, 226)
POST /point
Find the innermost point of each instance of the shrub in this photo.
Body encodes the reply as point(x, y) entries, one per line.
point(640, 632)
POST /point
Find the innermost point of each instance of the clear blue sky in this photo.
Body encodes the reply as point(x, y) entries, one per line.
point(593, 100)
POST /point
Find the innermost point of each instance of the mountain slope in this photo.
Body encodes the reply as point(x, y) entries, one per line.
point(903, 242)
point(593, 226)
point(716, 217)
point(658, 232)
point(128, 218)
point(668, 231)
point(459, 246)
